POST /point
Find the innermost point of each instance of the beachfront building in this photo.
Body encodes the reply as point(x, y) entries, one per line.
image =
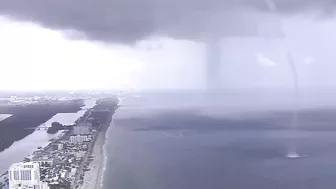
point(58, 146)
point(44, 163)
point(79, 139)
point(25, 175)
point(82, 129)
point(79, 155)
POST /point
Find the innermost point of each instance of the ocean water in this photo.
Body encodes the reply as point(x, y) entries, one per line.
point(26, 146)
point(182, 141)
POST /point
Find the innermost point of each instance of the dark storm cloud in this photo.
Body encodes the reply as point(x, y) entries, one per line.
point(130, 20)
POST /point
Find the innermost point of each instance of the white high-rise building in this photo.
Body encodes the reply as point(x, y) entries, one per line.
point(75, 139)
point(25, 175)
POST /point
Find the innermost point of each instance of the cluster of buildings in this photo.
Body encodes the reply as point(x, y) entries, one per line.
point(61, 164)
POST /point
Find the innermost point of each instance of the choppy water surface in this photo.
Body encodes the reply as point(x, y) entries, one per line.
point(184, 141)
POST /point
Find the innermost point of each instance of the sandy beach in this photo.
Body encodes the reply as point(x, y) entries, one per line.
point(92, 178)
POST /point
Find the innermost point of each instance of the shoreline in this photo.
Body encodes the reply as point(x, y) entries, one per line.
point(92, 167)
point(94, 177)
point(31, 142)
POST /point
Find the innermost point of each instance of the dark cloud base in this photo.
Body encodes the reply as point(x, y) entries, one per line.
point(129, 20)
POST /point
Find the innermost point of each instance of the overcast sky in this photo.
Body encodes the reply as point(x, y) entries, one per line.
point(145, 44)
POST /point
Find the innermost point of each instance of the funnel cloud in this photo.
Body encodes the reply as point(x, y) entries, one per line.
point(228, 29)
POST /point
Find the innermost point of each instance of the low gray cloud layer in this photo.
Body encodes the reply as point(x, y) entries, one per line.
point(131, 20)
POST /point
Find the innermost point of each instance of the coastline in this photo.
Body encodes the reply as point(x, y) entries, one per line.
point(93, 167)
point(29, 144)
point(94, 177)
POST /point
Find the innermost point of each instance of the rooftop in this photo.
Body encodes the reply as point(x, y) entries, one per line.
point(24, 165)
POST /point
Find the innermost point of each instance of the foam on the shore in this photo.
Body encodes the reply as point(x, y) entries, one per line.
point(105, 151)
point(95, 177)
point(105, 157)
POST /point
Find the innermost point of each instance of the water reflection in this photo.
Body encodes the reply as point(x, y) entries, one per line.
point(27, 145)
